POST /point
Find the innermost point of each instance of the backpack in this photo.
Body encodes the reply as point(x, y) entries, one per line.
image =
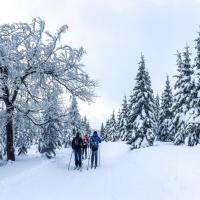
point(94, 144)
point(76, 142)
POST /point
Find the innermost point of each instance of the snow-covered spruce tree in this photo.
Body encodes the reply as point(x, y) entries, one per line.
point(179, 137)
point(74, 120)
point(29, 57)
point(194, 112)
point(88, 128)
point(51, 131)
point(166, 114)
point(129, 126)
point(193, 133)
point(106, 137)
point(157, 116)
point(141, 116)
point(123, 120)
point(117, 120)
point(85, 126)
point(182, 98)
point(112, 131)
point(102, 131)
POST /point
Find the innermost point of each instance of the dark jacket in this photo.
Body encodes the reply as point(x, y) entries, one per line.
point(77, 143)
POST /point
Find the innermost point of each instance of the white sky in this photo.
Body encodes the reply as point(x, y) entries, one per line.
point(114, 33)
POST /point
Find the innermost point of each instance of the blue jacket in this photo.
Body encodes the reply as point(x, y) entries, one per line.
point(96, 138)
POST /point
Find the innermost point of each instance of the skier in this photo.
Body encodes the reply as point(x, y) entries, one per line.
point(77, 144)
point(94, 145)
point(85, 145)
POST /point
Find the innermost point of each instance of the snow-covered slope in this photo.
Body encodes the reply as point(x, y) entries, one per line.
point(162, 172)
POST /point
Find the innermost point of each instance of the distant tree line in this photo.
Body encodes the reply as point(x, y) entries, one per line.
point(172, 117)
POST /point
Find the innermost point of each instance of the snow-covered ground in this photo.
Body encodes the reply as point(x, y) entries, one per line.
point(162, 172)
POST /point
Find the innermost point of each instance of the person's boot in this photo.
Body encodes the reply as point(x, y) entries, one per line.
point(75, 167)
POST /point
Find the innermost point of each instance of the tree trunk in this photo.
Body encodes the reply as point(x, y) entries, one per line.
point(9, 137)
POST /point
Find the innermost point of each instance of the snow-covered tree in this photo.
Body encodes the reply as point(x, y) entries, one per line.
point(183, 88)
point(166, 114)
point(141, 117)
point(106, 137)
point(112, 132)
point(23, 134)
point(24, 129)
point(88, 128)
point(157, 116)
point(85, 126)
point(179, 137)
point(123, 120)
point(117, 120)
point(30, 56)
point(193, 133)
point(193, 128)
point(110, 129)
point(74, 120)
point(51, 137)
point(102, 131)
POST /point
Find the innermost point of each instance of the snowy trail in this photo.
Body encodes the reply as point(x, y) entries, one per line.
point(164, 172)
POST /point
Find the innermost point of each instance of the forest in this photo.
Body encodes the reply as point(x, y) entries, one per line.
point(171, 117)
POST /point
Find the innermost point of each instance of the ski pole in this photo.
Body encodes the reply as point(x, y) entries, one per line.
point(99, 155)
point(70, 159)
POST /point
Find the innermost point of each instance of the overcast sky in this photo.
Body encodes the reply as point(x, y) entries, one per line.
point(114, 33)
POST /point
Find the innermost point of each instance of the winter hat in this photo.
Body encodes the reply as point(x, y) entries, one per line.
point(95, 133)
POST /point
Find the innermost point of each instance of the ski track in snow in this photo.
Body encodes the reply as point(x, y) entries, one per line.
point(162, 172)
